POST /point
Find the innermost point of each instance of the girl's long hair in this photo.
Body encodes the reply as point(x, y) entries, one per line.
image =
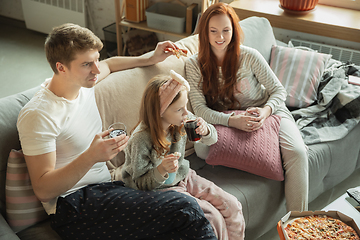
point(219, 96)
point(150, 115)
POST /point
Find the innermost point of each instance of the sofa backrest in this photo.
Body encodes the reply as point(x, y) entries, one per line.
point(258, 34)
point(9, 110)
point(118, 96)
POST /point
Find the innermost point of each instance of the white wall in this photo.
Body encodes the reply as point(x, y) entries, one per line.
point(12, 9)
point(102, 13)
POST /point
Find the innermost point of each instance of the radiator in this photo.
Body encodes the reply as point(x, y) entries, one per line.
point(338, 53)
point(43, 15)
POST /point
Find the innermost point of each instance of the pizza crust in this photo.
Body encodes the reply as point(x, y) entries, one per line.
point(315, 226)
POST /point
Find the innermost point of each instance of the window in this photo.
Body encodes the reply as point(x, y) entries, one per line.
point(352, 4)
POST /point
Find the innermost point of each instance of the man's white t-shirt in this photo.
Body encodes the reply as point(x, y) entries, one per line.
point(49, 123)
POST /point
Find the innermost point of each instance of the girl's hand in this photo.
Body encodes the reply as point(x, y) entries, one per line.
point(169, 164)
point(203, 129)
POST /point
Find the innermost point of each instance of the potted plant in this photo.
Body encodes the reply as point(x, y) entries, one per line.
point(299, 5)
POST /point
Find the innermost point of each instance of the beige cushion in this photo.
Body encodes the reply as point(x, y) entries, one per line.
point(118, 96)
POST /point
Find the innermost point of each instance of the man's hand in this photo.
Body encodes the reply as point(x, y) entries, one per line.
point(103, 149)
point(49, 182)
point(160, 53)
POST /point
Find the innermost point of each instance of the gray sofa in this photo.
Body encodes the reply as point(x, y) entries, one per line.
point(118, 98)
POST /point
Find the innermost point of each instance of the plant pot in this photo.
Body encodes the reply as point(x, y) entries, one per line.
point(299, 5)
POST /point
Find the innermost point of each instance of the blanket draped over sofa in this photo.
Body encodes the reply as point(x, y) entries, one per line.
point(337, 111)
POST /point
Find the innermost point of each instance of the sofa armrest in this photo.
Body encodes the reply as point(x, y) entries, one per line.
point(6, 233)
point(10, 107)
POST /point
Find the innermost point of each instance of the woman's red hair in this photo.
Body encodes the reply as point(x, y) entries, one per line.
point(219, 96)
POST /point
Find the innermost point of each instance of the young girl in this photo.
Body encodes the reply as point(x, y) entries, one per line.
point(225, 75)
point(156, 149)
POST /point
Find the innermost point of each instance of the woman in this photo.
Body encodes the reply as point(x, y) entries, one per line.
point(226, 75)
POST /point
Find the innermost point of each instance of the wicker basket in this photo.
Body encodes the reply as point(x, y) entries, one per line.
point(299, 5)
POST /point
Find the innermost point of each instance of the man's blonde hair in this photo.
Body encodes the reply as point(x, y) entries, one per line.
point(65, 41)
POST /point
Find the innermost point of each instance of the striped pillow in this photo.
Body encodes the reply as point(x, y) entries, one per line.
point(300, 73)
point(23, 208)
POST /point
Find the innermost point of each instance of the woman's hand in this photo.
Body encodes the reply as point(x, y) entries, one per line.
point(251, 120)
point(169, 164)
point(203, 129)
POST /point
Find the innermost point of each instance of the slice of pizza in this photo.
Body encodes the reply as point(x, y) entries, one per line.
point(177, 52)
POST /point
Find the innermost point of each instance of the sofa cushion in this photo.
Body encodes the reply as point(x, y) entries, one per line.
point(262, 199)
point(118, 96)
point(23, 208)
point(121, 92)
point(258, 34)
point(38, 231)
point(256, 152)
point(6, 232)
point(300, 72)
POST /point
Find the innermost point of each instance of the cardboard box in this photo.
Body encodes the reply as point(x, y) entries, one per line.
point(334, 214)
point(135, 10)
point(139, 41)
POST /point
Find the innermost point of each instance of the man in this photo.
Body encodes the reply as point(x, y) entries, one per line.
point(66, 152)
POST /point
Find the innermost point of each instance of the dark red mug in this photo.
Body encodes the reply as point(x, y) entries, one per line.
point(190, 126)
